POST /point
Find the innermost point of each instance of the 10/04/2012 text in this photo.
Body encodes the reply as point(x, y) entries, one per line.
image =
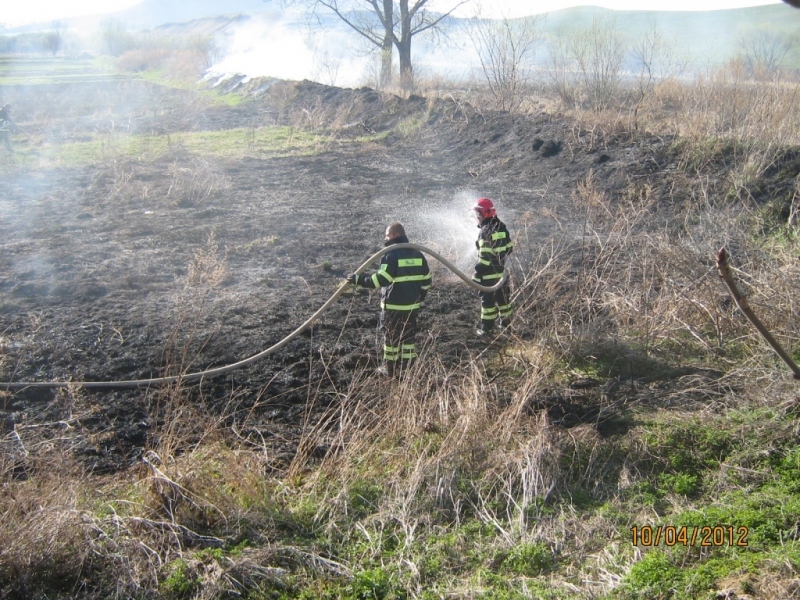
point(705, 536)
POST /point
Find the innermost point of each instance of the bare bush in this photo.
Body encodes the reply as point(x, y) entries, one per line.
point(752, 123)
point(506, 49)
point(192, 186)
point(658, 64)
point(765, 50)
point(206, 48)
point(143, 59)
point(178, 63)
point(589, 62)
point(116, 38)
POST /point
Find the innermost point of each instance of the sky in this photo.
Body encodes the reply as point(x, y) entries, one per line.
point(18, 12)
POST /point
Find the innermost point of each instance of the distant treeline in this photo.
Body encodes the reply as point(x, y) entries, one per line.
point(24, 43)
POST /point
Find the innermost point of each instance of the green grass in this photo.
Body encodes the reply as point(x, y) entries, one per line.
point(738, 471)
point(32, 71)
point(48, 70)
point(264, 142)
point(213, 95)
point(679, 462)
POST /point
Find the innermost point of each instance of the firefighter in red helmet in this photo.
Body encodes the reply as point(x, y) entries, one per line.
point(494, 245)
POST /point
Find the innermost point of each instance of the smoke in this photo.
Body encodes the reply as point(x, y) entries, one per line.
point(286, 46)
point(279, 45)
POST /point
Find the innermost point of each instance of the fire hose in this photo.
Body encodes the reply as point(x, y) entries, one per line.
point(188, 377)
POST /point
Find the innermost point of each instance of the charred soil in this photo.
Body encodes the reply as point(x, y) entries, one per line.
point(134, 266)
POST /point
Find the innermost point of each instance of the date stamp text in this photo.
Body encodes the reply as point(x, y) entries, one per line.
point(705, 536)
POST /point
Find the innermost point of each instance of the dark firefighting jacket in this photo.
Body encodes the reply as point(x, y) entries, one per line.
point(5, 121)
point(494, 244)
point(403, 277)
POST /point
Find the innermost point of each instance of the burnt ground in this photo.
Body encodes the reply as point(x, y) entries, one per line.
point(107, 272)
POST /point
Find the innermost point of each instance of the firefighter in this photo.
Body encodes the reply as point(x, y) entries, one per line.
point(404, 280)
point(6, 126)
point(494, 245)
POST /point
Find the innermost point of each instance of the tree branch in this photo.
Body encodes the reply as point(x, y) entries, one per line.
point(383, 18)
point(725, 272)
point(425, 26)
point(361, 30)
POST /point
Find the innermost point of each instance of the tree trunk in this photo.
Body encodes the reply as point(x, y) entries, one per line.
point(406, 71)
point(388, 41)
point(386, 63)
point(404, 48)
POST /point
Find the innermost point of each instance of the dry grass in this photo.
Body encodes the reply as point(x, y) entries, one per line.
point(180, 59)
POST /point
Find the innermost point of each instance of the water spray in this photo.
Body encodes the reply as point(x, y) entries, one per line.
point(448, 222)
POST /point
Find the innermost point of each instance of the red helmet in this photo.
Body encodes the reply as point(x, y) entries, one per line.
point(485, 208)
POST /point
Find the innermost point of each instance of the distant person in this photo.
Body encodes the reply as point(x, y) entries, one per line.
point(494, 245)
point(404, 280)
point(6, 126)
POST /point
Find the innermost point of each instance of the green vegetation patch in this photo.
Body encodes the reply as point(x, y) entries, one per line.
point(739, 474)
point(660, 576)
point(214, 95)
point(16, 70)
point(264, 142)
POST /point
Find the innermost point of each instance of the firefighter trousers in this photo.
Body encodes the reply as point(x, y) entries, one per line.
point(399, 333)
point(495, 305)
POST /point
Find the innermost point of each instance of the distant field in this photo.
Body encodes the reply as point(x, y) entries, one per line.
point(25, 70)
point(37, 87)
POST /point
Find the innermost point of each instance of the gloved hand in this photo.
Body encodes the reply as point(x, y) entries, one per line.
point(352, 278)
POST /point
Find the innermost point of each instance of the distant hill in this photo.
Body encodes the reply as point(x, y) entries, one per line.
point(152, 13)
point(707, 36)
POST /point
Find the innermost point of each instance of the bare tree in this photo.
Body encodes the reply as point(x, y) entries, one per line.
point(506, 49)
point(387, 24)
point(589, 61)
point(764, 50)
point(598, 53)
point(374, 20)
point(54, 39)
point(561, 75)
point(206, 47)
point(657, 60)
point(116, 37)
point(645, 52)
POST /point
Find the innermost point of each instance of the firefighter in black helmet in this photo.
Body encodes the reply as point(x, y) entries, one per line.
point(494, 245)
point(404, 280)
